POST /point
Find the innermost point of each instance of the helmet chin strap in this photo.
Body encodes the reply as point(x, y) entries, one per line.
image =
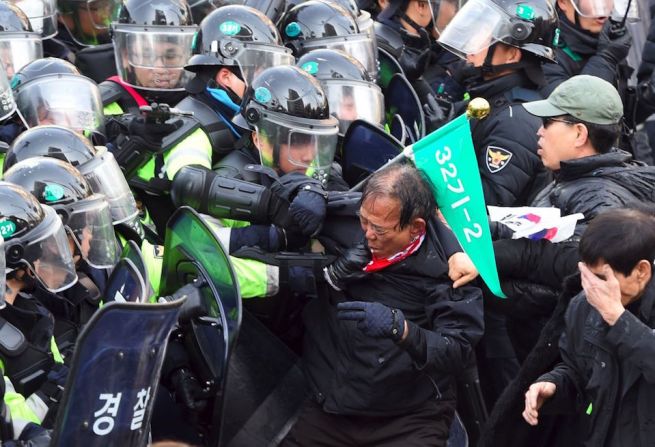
point(412, 23)
point(474, 75)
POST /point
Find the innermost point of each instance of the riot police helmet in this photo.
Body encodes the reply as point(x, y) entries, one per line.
point(153, 40)
point(97, 165)
point(35, 239)
point(241, 37)
point(19, 44)
point(317, 24)
point(88, 21)
point(42, 15)
point(43, 88)
point(530, 26)
point(288, 112)
point(86, 216)
point(351, 92)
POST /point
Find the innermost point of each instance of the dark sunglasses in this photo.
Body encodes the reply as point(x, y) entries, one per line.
point(548, 120)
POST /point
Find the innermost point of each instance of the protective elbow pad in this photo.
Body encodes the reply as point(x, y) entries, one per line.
point(222, 197)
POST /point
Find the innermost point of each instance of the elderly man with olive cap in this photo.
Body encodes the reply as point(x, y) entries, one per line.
point(581, 125)
point(581, 122)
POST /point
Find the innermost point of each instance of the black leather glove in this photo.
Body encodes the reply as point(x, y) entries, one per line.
point(437, 113)
point(151, 135)
point(188, 390)
point(308, 210)
point(374, 319)
point(614, 44)
point(348, 267)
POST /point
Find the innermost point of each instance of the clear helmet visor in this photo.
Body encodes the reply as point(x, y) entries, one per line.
point(359, 46)
point(18, 50)
point(94, 18)
point(7, 103)
point(251, 58)
point(53, 263)
point(627, 9)
point(365, 23)
point(71, 101)
point(352, 100)
point(105, 177)
point(296, 146)
point(42, 15)
point(595, 8)
point(153, 59)
point(463, 39)
point(443, 11)
point(3, 276)
point(89, 223)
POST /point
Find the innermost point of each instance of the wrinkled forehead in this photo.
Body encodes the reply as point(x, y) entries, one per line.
point(380, 208)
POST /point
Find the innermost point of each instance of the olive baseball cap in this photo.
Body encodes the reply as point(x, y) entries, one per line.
point(587, 98)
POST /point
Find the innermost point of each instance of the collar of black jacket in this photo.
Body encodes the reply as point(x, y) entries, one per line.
point(586, 166)
point(578, 40)
point(498, 86)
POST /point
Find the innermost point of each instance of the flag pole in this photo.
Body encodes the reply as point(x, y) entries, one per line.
point(477, 108)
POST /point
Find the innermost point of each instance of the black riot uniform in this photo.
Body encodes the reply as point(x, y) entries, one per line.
point(37, 255)
point(506, 141)
point(87, 220)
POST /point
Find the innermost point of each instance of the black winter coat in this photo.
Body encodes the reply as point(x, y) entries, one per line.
point(607, 376)
point(506, 426)
point(352, 373)
point(506, 142)
point(581, 186)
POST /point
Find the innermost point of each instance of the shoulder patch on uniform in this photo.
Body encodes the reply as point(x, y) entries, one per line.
point(497, 158)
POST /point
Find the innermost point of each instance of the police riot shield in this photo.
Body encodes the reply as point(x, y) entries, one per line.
point(266, 388)
point(388, 66)
point(194, 253)
point(125, 284)
point(132, 252)
point(366, 148)
point(400, 99)
point(113, 379)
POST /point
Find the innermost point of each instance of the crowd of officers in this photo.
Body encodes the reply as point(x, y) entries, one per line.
point(113, 114)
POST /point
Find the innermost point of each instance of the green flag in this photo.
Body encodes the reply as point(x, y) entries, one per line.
point(447, 157)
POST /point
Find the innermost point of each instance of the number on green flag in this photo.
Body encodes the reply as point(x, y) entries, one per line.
point(447, 157)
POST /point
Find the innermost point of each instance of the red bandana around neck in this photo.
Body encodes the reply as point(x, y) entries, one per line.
point(382, 263)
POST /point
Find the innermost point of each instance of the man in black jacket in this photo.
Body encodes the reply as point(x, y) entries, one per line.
point(384, 340)
point(580, 126)
point(606, 376)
